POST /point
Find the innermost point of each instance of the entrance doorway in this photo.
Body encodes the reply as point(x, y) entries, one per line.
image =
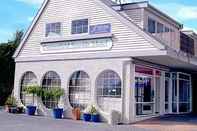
point(181, 93)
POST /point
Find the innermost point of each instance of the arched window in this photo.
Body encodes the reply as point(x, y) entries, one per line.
point(50, 80)
point(108, 85)
point(79, 90)
point(28, 79)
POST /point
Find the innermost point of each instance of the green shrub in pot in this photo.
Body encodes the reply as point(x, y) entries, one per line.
point(55, 94)
point(95, 117)
point(35, 90)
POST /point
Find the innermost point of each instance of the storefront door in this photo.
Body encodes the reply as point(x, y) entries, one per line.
point(181, 93)
point(144, 91)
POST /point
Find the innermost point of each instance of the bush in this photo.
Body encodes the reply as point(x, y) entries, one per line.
point(93, 110)
point(11, 101)
point(34, 90)
point(53, 93)
point(57, 93)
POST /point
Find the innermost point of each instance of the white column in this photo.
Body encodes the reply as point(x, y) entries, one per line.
point(177, 98)
point(127, 91)
point(132, 97)
point(191, 94)
point(162, 94)
point(170, 95)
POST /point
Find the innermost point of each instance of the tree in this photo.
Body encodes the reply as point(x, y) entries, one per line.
point(7, 66)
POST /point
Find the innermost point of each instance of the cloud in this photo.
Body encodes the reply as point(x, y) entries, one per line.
point(187, 12)
point(32, 2)
point(30, 18)
point(179, 11)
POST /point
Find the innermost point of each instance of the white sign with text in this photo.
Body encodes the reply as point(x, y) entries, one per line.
point(77, 45)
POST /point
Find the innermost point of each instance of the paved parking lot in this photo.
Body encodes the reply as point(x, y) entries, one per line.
point(12, 122)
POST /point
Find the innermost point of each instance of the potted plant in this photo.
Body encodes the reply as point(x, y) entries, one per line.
point(10, 105)
point(55, 93)
point(86, 116)
point(76, 112)
point(34, 90)
point(94, 114)
point(20, 109)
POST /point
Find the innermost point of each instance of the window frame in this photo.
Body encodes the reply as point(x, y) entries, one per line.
point(52, 102)
point(160, 27)
point(81, 101)
point(22, 93)
point(50, 29)
point(102, 88)
point(150, 29)
point(81, 29)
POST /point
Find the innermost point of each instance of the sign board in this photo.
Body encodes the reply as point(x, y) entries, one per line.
point(77, 45)
point(101, 28)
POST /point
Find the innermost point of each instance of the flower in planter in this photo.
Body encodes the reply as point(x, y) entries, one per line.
point(91, 114)
point(93, 110)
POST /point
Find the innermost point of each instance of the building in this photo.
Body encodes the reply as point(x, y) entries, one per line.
point(131, 58)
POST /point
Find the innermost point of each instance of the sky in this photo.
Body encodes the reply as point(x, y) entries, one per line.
point(18, 14)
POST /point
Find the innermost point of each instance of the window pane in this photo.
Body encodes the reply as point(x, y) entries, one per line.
point(79, 90)
point(80, 26)
point(151, 25)
point(28, 79)
point(110, 83)
point(108, 86)
point(51, 80)
point(53, 28)
point(159, 28)
point(167, 29)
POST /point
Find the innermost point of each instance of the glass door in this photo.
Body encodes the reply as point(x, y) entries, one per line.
point(157, 91)
point(167, 92)
point(184, 93)
point(181, 93)
point(144, 95)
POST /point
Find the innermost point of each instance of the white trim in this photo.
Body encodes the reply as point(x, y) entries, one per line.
point(36, 18)
point(91, 55)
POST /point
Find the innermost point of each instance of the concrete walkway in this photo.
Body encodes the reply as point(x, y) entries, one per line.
point(12, 122)
point(170, 123)
point(15, 122)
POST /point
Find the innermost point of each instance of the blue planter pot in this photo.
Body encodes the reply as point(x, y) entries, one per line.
point(57, 113)
point(95, 118)
point(86, 117)
point(31, 110)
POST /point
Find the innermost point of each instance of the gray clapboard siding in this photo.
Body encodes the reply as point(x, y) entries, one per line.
point(136, 15)
point(66, 11)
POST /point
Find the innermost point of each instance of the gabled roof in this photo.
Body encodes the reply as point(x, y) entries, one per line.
point(28, 32)
point(107, 6)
